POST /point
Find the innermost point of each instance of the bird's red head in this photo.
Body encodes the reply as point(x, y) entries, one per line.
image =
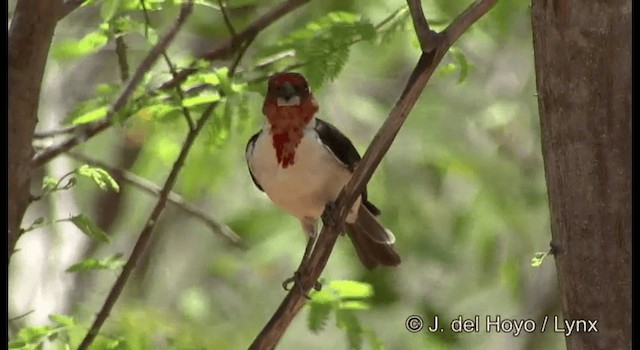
point(288, 96)
point(289, 105)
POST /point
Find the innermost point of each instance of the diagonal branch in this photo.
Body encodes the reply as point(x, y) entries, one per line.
point(145, 234)
point(428, 38)
point(273, 331)
point(173, 198)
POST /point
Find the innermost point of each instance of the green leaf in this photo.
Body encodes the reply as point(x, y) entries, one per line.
point(49, 183)
point(63, 320)
point(203, 98)
point(113, 262)
point(353, 305)
point(537, 259)
point(348, 289)
point(71, 49)
point(34, 334)
point(325, 42)
point(17, 344)
point(318, 316)
point(91, 116)
point(347, 321)
point(100, 176)
point(462, 63)
point(125, 24)
point(89, 228)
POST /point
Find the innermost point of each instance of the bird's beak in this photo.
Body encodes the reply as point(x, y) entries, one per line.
point(287, 95)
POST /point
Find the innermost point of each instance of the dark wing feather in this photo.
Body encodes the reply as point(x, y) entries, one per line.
point(250, 146)
point(343, 149)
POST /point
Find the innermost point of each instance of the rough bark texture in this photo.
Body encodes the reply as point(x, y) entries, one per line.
point(30, 36)
point(583, 66)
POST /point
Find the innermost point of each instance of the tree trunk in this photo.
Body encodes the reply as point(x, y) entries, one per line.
point(583, 67)
point(30, 36)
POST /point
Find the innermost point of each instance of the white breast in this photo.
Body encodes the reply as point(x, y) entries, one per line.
point(303, 188)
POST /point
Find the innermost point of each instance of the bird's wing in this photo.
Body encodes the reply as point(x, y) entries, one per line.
point(343, 150)
point(338, 144)
point(248, 152)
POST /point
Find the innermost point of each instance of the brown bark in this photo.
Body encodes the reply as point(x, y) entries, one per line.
point(583, 66)
point(30, 36)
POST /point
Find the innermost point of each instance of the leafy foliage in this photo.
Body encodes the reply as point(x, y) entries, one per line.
point(325, 43)
point(89, 228)
point(345, 298)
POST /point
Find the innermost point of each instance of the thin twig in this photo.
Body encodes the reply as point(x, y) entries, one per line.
point(89, 130)
point(227, 19)
point(271, 334)
point(121, 52)
point(51, 133)
point(174, 198)
point(428, 38)
point(172, 69)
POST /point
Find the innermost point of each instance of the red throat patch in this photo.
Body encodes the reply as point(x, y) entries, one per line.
point(287, 124)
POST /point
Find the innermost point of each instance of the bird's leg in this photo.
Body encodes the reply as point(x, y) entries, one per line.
point(311, 228)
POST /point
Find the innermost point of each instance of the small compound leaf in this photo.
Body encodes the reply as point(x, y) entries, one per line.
point(89, 228)
point(113, 262)
point(100, 176)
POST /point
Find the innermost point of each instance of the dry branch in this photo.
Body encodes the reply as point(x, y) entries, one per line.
point(30, 34)
point(273, 331)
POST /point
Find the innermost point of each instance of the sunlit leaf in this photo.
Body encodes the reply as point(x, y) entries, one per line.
point(353, 305)
point(100, 176)
point(538, 258)
point(89, 228)
point(33, 334)
point(72, 49)
point(203, 98)
point(63, 320)
point(113, 262)
point(348, 289)
point(91, 116)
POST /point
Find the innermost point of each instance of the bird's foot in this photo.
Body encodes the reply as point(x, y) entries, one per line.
point(295, 279)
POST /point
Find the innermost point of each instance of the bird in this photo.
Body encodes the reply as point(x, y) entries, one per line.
point(302, 163)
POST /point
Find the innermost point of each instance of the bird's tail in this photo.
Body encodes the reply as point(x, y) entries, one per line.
point(373, 243)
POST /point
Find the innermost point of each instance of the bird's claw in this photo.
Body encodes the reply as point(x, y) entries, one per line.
point(295, 279)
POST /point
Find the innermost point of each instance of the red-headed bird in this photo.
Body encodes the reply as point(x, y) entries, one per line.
point(302, 163)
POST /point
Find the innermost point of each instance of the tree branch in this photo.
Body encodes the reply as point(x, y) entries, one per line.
point(89, 130)
point(149, 187)
point(271, 334)
point(30, 35)
point(428, 38)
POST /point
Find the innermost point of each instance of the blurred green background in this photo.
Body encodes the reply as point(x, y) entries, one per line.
point(462, 188)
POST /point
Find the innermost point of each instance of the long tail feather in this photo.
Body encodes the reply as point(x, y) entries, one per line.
point(373, 243)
